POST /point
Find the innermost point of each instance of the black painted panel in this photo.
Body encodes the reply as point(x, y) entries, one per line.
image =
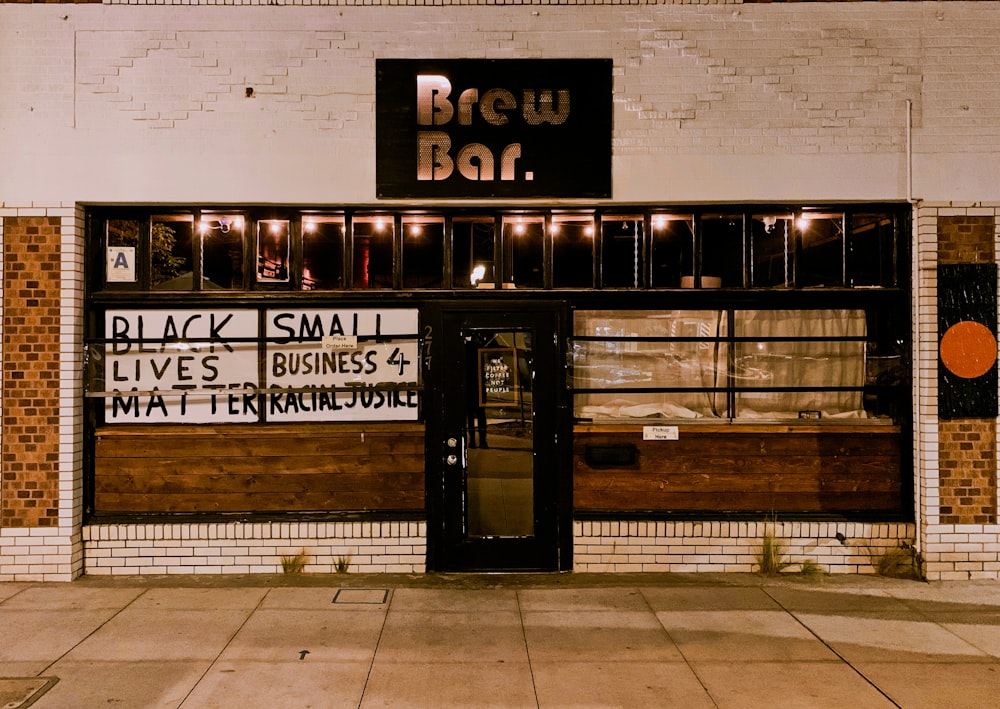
point(967, 293)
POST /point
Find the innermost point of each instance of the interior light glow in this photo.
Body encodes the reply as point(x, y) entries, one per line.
point(478, 273)
point(309, 225)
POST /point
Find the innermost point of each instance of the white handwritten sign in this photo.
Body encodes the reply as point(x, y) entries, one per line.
point(660, 433)
point(203, 366)
point(181, 366)
point(372, 348)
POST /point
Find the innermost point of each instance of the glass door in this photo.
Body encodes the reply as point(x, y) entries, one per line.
point(498, 468)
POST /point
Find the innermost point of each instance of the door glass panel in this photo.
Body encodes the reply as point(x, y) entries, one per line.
point(573, 251)
point(222, 251)
point(322, 253)
point(423, 252)
point(123, 249)
point(673, 250)
point(500, 435)
point(621, 251)
point(721, 252)
point(770, 242)
point(821, 259)
point(872, 250)
point(472, 252)
point(373, 252)
point(172, 255)
point(523, 247)
point(274, 249)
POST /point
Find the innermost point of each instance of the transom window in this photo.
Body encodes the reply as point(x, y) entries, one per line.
point(600, 249)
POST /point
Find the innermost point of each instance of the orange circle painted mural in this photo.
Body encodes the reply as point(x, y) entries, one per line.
point(968, 349)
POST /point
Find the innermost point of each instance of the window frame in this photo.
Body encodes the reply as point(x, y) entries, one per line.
point(880, 259)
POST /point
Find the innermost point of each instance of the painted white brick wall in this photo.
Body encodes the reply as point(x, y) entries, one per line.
point(251, 548)
point(619, 547)
point(718, 102)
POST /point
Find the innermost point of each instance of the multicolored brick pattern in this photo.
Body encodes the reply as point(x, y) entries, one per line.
point(29, 455)
point(965, 239)
point(968, 471)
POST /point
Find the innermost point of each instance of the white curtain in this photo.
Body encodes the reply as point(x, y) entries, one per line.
point(705, 364)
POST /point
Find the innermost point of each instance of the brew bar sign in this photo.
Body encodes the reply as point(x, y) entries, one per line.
point(480, 128)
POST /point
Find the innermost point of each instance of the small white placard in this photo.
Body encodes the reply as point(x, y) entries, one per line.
point(340, 342)
point(121, 264)
point(660, 433)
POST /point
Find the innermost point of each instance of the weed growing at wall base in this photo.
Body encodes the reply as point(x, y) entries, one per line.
point(295, 564)
point(772, 557)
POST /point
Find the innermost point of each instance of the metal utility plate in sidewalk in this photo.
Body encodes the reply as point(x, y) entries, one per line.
point(370, 596)
point(20, 692)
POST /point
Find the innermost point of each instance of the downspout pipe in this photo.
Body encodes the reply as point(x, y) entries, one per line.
point(915, 336)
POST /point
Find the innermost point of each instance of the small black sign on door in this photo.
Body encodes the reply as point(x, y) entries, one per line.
point(484, 128)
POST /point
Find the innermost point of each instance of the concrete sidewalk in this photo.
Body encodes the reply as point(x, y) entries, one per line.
point(569, 640)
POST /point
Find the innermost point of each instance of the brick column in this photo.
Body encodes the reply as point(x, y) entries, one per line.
point(29, 455)
point(967, 452)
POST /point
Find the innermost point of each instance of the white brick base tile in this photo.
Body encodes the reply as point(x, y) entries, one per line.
point(611, 546)
point(40, 555)
point(248, 548)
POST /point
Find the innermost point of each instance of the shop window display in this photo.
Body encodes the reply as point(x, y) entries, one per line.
point(725, 364)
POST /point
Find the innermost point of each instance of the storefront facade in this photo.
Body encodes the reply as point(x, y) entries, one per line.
point(607, 288)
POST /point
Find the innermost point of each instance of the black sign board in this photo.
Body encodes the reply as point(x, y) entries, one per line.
point(967, 326)
point(484, 128)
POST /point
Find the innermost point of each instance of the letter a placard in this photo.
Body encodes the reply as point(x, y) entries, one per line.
point(121, 264)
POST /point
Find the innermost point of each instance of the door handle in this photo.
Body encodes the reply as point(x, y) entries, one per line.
point(453, 447)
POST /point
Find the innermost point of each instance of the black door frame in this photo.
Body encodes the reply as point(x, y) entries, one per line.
point(552, 548)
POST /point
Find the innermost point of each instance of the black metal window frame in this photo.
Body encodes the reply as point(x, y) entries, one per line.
point(744, 255)
point(882, 387)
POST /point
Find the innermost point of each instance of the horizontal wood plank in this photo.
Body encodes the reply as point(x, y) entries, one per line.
point(176, 469)
point(225, 484)
point(261, 446)
point(365, 501)
point(725, 469)
point(246, 465)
